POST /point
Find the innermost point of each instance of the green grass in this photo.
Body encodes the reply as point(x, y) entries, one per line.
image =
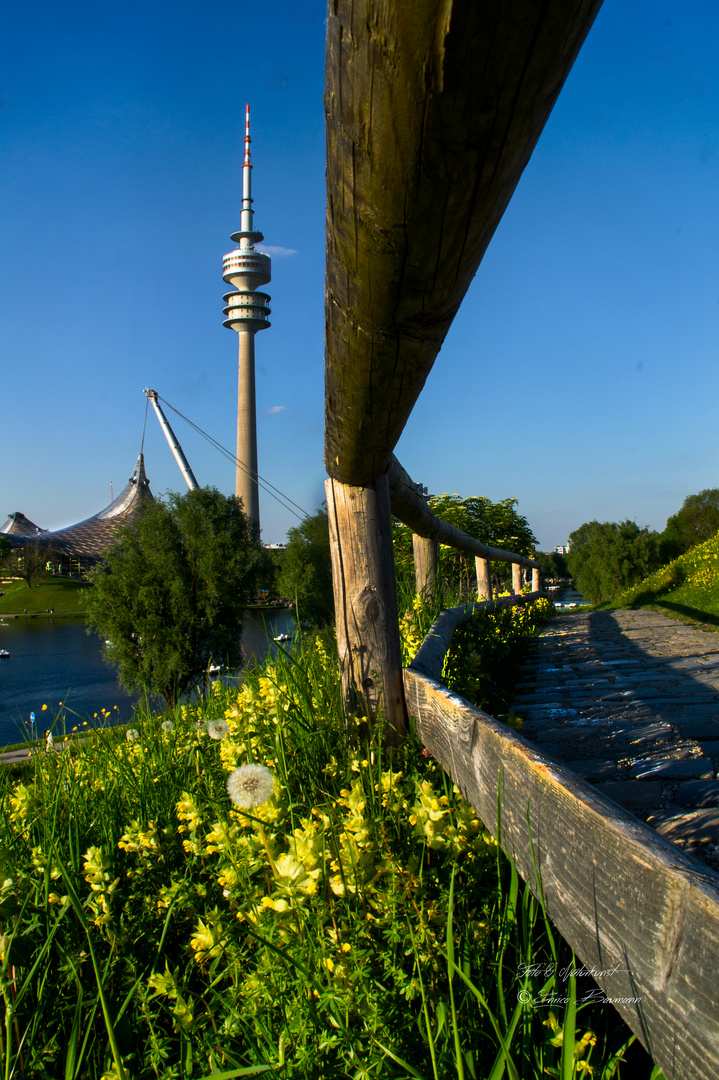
point(359, 923)
point(686, 589)
point(66, 596)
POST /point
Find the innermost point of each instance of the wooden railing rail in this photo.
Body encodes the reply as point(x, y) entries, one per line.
point(642, 917)
point(432, 113)
point(360, 522)
point(429, 531)
point(409, 507)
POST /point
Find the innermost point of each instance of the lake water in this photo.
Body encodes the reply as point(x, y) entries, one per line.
point(55, 660)
point(565, 597)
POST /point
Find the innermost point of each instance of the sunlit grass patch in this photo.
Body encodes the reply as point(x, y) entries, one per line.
point(344, 916)
point(686, 587)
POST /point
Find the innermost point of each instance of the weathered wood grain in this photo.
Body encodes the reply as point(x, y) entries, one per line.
point(366, 602)
point(484, 579)
point(429, 659)
point(433, 108)
point(410, 508)
point(629, 904)
point(426, 558)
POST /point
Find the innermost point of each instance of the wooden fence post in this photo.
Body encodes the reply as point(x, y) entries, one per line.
point(426, 558)
point(516, 578)
point(366, 602)
point(484, 579)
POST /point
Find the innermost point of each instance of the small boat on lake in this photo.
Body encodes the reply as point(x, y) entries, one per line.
point(282, 637)
point(3, 653)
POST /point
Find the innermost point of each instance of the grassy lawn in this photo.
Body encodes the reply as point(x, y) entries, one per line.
point(64, 595)
point(686, 589)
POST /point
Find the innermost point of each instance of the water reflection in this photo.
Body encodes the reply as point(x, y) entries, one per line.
point(55, 660)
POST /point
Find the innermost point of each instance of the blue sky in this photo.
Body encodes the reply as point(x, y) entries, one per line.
point(580, 375)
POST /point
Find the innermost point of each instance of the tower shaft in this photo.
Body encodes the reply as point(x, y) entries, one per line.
point(246, 486)
point(247, 312)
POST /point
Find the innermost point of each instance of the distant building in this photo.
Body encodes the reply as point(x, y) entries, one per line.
point(562, 549)
point(79, 547)
point(18, 525)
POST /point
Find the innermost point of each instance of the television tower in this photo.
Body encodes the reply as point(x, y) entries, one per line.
point(247, 312)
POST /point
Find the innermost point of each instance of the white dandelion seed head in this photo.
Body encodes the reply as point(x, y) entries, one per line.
point(250, 785)
point(217, 729)
point(132, 734)
point(167, 725)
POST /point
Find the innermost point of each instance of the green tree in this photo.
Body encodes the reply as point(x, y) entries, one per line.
point(610, 556)
point(170, 594)
point(495, 524)
point(306, 569)
point(697, 521)
point(27, 561)
point(553, 565)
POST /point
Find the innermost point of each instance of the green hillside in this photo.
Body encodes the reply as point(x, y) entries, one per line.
point(687, 587)
point(64, 595)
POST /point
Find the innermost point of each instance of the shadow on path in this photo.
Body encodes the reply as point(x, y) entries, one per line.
point(629, 699)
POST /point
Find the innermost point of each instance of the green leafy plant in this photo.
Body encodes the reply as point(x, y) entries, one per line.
point(359, 922)
point(169, 595)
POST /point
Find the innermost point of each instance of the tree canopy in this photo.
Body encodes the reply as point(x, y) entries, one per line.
point(27, 560)
point(553, 565)
point(306, 569)
point(695, 522)
point(495, 524)
point(170, 594)
point(610, 556)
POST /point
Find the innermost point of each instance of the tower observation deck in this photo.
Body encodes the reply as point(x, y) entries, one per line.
point(247, 312)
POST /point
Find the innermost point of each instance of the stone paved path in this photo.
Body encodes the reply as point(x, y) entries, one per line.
point(630, 701)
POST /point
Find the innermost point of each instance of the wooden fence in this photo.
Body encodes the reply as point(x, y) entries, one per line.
point(636, 910)
point(433, 110)
point(364, 583)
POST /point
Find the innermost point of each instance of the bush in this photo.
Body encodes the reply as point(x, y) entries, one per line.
point(170, 594)
point(609, 557)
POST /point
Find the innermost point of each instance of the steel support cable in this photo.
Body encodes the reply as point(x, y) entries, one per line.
point(266, 486)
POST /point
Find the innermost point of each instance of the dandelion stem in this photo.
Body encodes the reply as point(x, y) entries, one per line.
point(265, 844)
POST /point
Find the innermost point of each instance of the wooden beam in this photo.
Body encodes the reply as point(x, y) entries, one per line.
point(629, 903)
point(426, 560)
point(484, 579)
point(366, 602)
point(410, 508)
point(433, 108)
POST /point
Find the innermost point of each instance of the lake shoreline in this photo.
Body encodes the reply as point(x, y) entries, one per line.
point(275, 608)
point(53, 660)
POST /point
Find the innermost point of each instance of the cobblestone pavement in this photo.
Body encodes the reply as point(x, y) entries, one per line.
point(630, 701)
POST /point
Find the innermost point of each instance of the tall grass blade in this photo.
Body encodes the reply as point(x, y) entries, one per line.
point(569, 1030)
point(390, 1053)
point(459, 1064)
point(250, 1070)
point(79, 912)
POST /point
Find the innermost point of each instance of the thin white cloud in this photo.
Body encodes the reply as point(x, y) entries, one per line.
point(278, 252)
point(275, 409)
